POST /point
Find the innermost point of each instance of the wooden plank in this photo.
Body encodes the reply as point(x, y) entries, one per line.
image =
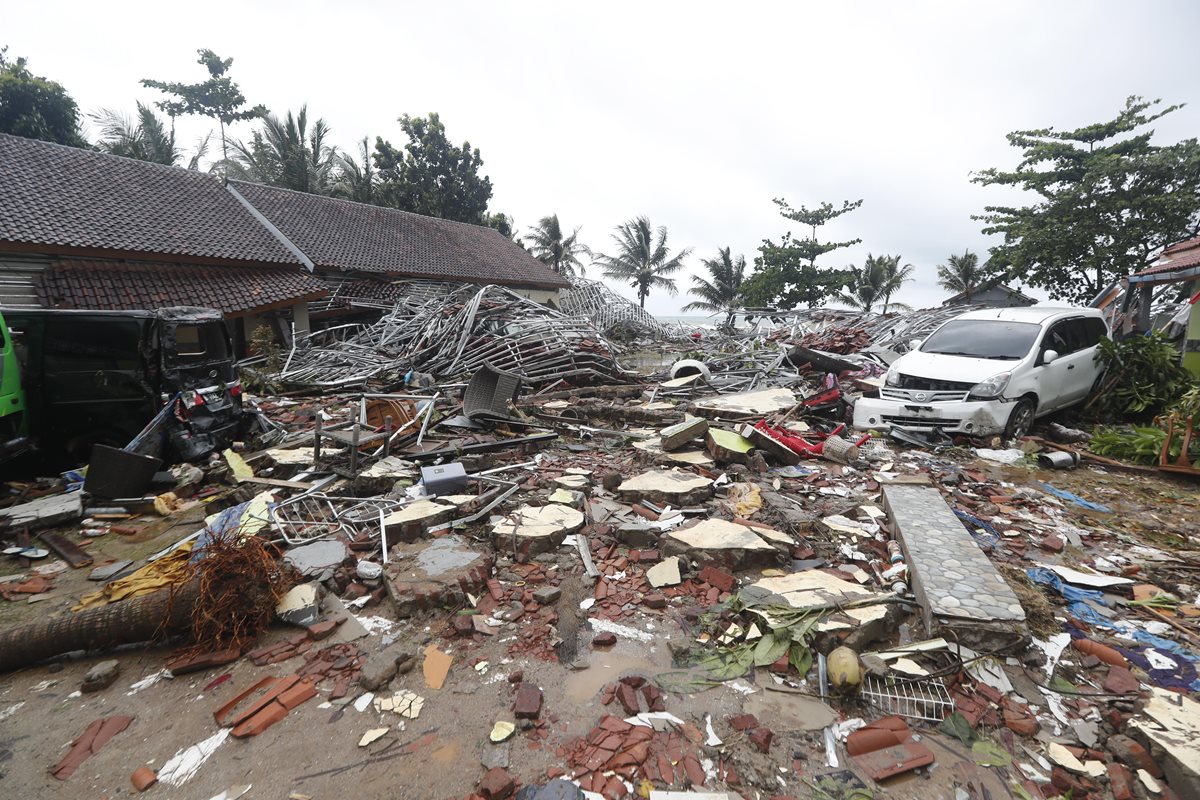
point(70, 552)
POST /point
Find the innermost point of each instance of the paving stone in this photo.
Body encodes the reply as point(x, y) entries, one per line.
point(947, 567)
point(536, 529)
point(673, 487)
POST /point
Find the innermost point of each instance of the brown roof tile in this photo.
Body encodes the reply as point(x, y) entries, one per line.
point(345, 235)
point(130, 285)
point(66, 197)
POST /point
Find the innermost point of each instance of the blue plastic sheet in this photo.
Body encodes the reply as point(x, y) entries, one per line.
point(982, 532)
point(1063, 494)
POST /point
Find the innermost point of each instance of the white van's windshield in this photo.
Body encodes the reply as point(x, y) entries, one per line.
point(983, 338)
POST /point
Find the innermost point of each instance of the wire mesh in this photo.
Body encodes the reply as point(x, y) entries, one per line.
point(315, 515)
point(926, 699)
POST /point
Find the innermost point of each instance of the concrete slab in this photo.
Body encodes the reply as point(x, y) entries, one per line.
point(672, 487)
point(759, 403)
point(317, 559)
point(1172, 721)
point(674, 437)
point(726, 544)
point(46, 511)
point(954, 581)
point(415, 519)
point(536, 529)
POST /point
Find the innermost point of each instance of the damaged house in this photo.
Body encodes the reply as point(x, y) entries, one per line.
point(85, 230)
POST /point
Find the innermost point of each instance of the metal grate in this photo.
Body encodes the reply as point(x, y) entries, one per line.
point(312, 516)
point(924, 699)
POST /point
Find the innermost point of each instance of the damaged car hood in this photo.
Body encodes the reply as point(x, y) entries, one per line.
point(950, 368)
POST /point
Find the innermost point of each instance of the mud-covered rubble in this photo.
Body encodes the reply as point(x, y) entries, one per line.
point(589, 616)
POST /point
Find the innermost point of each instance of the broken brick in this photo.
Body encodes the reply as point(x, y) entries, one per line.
point(761, 738)
point(744, 722)
point(496, 784)
point(528, 703)
point(654, 601)
point(1121, 681)
point(143, 778)
point(1133, 754)
point(718, 578)
point(628, 699)
point(654, 698)
point(1120, 780)
point(604, 639)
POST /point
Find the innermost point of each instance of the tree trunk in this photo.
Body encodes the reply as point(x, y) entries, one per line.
point(128, 622)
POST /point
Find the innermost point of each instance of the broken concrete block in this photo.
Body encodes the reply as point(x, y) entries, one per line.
point(317, 559)
point(536, 529)
point(436, 574)
point(667, 487)
point(301, 605)
point(723, 543)
point(1172, 722)
point(726, 446)
point(381, 476)
point(674, 437)
point(413, 521)
point(576, 483)
point(665, 573)
point(101, 676)
point(45, 511)
point(547, 594)
point(813, 588)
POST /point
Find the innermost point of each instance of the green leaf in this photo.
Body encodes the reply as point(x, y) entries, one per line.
point(956, 725)
point(770, 647)
point(800, 657)
point(987, 754)
point(1062, 685)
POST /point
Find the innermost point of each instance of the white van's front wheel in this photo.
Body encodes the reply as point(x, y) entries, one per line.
point(1021, 419)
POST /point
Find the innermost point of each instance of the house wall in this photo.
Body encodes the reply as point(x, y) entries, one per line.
point(544, 296)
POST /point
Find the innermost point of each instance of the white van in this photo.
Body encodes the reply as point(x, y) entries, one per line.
point(991, 371)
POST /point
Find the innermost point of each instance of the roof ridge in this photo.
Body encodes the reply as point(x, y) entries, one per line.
point(100, 154)
point(364, 205)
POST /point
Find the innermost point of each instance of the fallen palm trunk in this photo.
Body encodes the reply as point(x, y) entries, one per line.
point(141, 619)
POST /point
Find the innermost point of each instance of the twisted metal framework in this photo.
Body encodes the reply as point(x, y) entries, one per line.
point(452, 334)
point(608, 311)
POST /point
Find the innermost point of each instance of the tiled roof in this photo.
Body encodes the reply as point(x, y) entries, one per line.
point(1178, 257)
point(58, 197)
point(129, 285)
point(344, 235)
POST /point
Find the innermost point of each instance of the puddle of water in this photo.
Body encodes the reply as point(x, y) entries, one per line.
point(584, 685)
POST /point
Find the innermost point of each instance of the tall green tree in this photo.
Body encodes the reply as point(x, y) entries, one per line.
point(430, 175)
point(786, 275)
point(36, 107)
point(287, 153)
point(218, 97)
point(642, 258)
point(356, 179)
point(143, 137)
point(961, 274)
point(721, 292)
point(875, 282)
point(558, 252)
point(1106, 202)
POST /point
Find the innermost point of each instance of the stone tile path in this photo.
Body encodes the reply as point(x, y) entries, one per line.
point(952, 578)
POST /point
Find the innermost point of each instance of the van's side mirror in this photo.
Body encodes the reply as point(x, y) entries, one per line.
point(915, 344)
point(1049, 356)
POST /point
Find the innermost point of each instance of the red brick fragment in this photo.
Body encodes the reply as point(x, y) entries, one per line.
point(744, 722)
point(496, 784)
point(528, 703)
point(604, 639)
point(143, 778)
point(761, 738)
point(628, 699)
point(1121, 681)
point(720, 579)
point(1120, 780)
point(655, 600)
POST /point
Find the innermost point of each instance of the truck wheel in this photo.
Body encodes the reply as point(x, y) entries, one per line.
point(1021, 419)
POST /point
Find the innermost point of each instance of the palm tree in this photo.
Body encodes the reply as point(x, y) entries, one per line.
point(961, 274)
point(356, 180)
point(285, 153)
point(876, 281)
point(144, 137)
point(559, 253)
point(723, 292)
point(643, 258)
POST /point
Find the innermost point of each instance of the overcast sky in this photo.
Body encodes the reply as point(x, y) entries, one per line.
point(694, 114)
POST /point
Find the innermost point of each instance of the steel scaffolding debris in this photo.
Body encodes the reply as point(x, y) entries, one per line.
point(610, 312)
point(452, 336)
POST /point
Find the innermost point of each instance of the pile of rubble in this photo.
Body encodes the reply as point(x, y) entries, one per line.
point(700, 585)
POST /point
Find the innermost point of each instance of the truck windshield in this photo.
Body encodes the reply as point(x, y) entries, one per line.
point(201, 343)
point(983, 338)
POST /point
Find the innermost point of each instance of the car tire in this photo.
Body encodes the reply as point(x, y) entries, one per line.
point(1020, 420)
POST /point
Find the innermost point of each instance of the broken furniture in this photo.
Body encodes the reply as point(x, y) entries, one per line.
point(353, 438)
point(489, 394)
